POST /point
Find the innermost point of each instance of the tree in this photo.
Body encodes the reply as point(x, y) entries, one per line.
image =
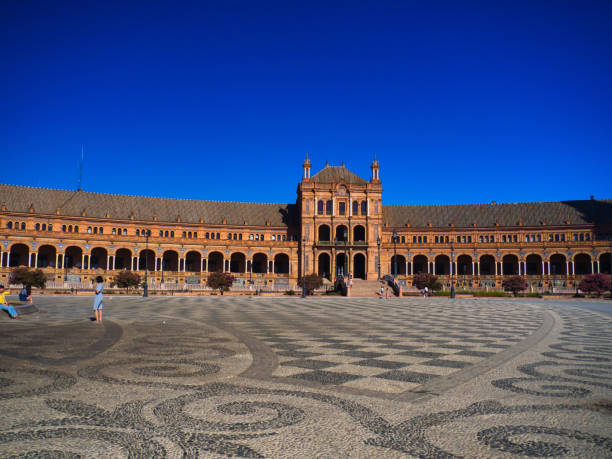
point(126, 279)
point(26, 276)
point(595, 283)
point(220, 281)
point(422, 280)
point(312, 282)
point(514, 284)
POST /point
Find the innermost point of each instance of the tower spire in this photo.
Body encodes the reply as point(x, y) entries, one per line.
point(375, 167)
point(306, 167)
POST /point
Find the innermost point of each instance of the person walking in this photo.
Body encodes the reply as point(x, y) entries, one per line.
point(97, 305)
point(425, 292)
point(4, 304)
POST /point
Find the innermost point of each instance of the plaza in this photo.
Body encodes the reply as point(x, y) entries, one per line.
point(316, 377)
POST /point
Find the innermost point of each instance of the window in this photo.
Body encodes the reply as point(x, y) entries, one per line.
point(587, 237)
point(492, 238)
point(229, 235)
point(95, 230)
point(469, 239)
point(328, 207)
point(463, 239)
point(23, 226)
point(342, 208)
point(261, 237)
point(171, 233)
point(218, 235)
point(403, 239)
point(504, 238)
point(364, 208)
point(320, 207)
point(9, 225)
point(308, 206)
point(37, 227)
point(207, 236)
point(414, 239)
point(250, 237)
point(273, 237)
point(458, 238)
point(284, 237)
point(515, 238)
point(355, 208)
point(89, 230)
point(240, 237)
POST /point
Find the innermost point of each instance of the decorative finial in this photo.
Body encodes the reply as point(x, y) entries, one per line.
point(326, 163)
point(342, 163)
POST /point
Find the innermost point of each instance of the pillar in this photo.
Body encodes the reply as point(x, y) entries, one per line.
point(543, 270)
point(406, 270)
point(64, 260)
point(567, 268)
point(56, 260)
point(496, 268)
point(83, 261)
point(519, 268)
point(478, 268)
point(138, 264)
point(272, 265)
point(592, 267)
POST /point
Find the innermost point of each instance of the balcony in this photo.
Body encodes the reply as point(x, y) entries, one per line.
point(341, 243)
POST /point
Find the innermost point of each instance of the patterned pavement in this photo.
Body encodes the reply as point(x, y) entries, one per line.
point(327, 377)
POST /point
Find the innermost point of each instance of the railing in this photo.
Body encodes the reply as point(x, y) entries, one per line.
point(341, 243)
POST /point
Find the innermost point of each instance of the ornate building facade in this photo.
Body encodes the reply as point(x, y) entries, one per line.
point(338, 225)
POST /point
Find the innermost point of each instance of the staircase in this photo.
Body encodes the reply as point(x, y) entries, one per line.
point(365, 288)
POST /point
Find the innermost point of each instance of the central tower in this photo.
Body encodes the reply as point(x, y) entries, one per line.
point(340, 221)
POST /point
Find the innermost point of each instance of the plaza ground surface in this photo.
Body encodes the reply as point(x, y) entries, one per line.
point(291, 377)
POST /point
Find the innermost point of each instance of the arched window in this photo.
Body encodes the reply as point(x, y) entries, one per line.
point(207, 236)
point(9, 225)
point(250, 237)
point(137, 232)
point(240, 237)
point(44, 227)
point(218, 235)
point(37, 227)
point(355, 207)
point(22, 225)
point(70, 228)
point(95, 230)
point(320, 207)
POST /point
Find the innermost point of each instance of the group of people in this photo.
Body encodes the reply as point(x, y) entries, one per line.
point(25, 295)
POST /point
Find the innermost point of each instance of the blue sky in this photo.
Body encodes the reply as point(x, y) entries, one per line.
point(462, 102)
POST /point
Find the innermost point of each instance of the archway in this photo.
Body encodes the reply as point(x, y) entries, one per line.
point(558, 265)
point(324, 266)
point(510, 265)
point(442, 265)
point(604, 263)
point(401, 265)
point(237, 263)
point(170, 261)
point(281, 263)
point(18, 255)
point(340, 264)
point(341, 233)
point(359, 266)
point(487, 265)
point(260, 263)
point(359, 233)
point(123, 259)
point(582, 264)
point(534, 264)
point(419, 264)
point(46, 256)
point(146, 260)
point(193, 262)
point(74, 257)
point(98, 259)
point(464, 265)
point(324, 232)
point(215, 262)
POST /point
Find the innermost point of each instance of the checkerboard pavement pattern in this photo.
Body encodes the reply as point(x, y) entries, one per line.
point(349, 344)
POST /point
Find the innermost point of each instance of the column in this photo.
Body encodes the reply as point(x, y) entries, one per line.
point(272, 265)
point(30, 259)
point(114, 262)
point(519, 268)
point(138, 264)
point(495, 268)
point(592, 267)
point(83, 261)
point(473, 268)
point(406, 268)
point(567, 268)
point(56, 260)
point(501, 268)
point(64, 260)
point(478, 268)
point(543, 270)
point(36, 259)
point(350, 207)
point(108, 265)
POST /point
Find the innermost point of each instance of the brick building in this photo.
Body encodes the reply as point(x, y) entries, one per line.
point(338, 224)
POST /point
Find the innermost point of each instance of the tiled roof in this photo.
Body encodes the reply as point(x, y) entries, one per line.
point(72, 203)
point(336, 174)
point(530, 214)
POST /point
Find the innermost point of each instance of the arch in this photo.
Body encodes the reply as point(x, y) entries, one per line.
point(340, 264)
point(324, 232)
point(533, 263)
point(73, 257)
point(193, 262)
point(146, 260)
point(324, 265)
point(419, 264)
point(237, 262)
point(487, 265)
point(281, 263)
point(19, 255)
point(582, 264)
point(98, 258)
point(341, 233)
point(359, 233)
point(46, 256)
point(558, 264)
point(215, 262)
point(401, 265)
point(604, 263)
point(260, 263)
point(442, 265)
point(170, 261)
point(123, 259)
point(510, 265)
point(464, 265)
point(359, 266)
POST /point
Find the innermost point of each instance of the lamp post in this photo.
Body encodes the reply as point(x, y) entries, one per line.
point(304, 267)
point(395, 238)
point(145, 288)
point(452, 292)
point(378, 244)
point(346, 267)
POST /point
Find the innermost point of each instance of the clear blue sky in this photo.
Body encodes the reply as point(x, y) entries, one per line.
point(462, 101)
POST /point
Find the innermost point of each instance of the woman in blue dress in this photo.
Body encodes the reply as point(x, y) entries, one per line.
point(97, 306)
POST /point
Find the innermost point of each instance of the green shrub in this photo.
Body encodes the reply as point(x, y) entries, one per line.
point(289, 292)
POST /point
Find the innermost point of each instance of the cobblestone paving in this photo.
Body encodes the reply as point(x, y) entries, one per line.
point(287, 377)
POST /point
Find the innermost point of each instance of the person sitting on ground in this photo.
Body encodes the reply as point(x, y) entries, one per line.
point(23, 294)
point(4, 304)
point(29, 293)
